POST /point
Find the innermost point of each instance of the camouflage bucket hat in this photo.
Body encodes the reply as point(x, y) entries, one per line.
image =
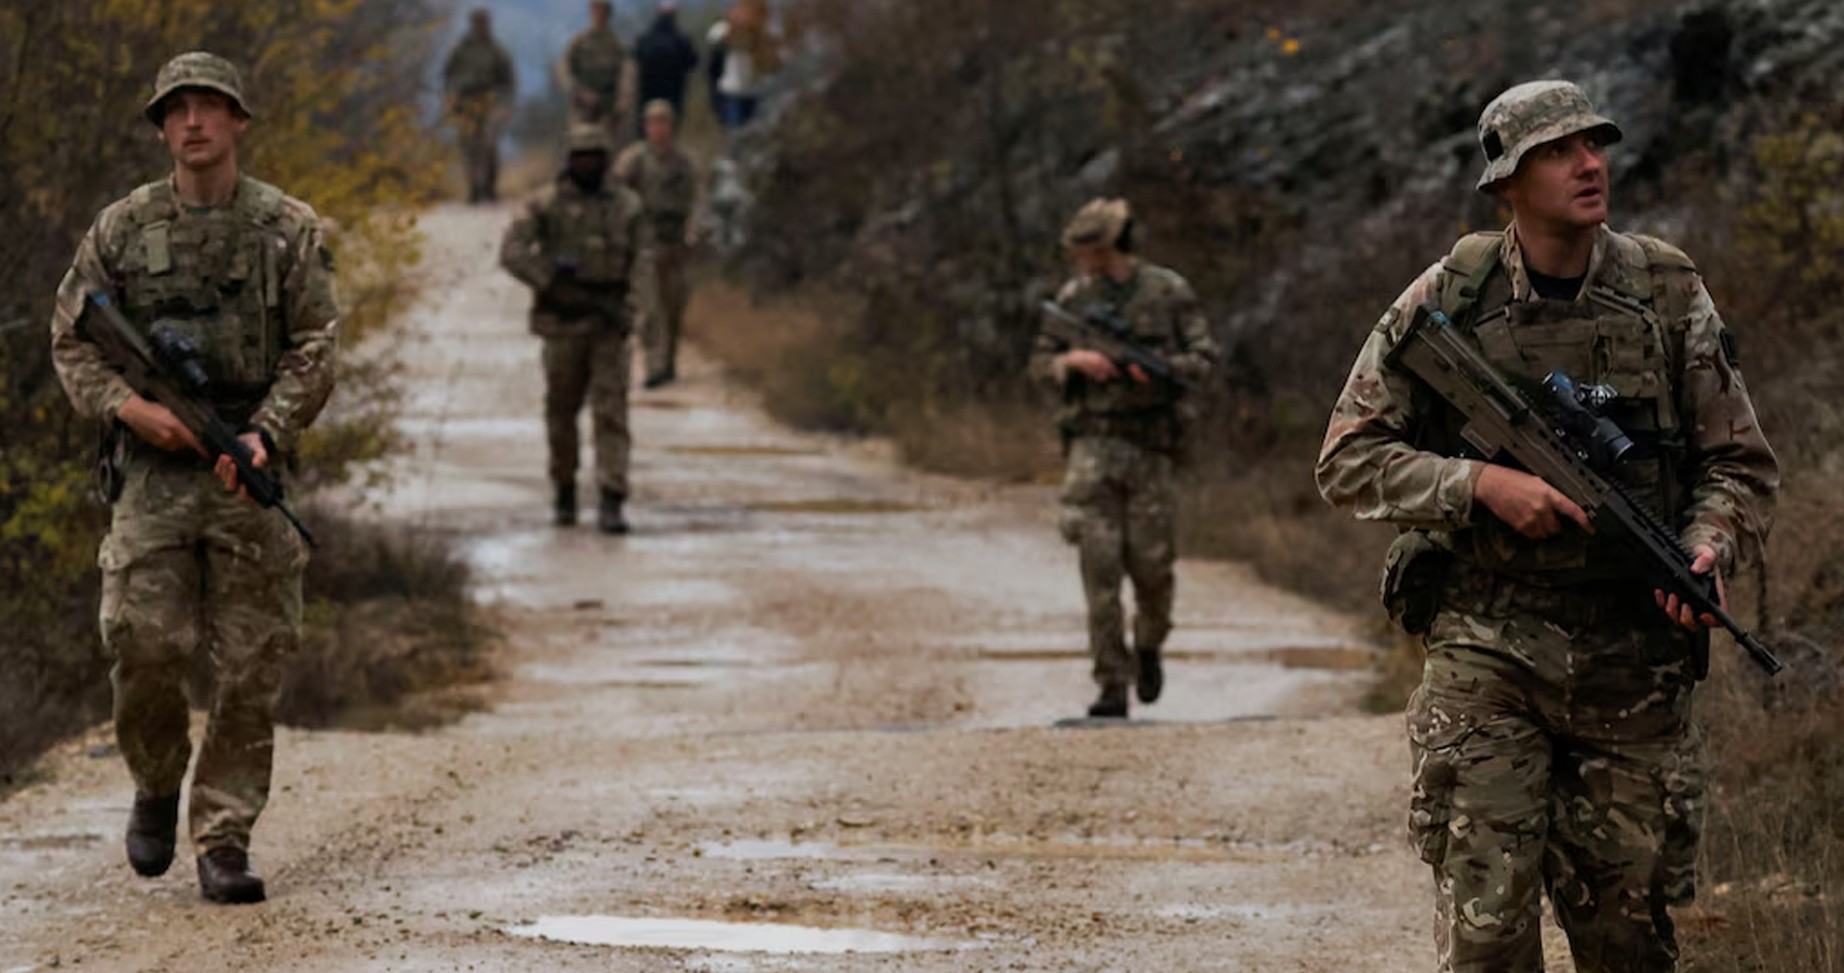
point(1529, 115)
point(197, 69)
point(584, 137)
point(1099, 223)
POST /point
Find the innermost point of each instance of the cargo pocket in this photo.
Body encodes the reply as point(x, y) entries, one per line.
point(1433, 744)
point(1683, 782)
point(1414, 572)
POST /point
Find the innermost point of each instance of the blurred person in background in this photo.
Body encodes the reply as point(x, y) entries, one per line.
point(661, 173)
point(592, 69)
point(751, 54)
point(479, 84)
point(665, 58)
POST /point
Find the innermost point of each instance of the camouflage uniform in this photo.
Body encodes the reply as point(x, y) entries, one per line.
point(596, 235)
point(480, 84)
point(592, 67)
point(1551, 735)
point(667, 186)
point(186, 564)
point(1118, 495)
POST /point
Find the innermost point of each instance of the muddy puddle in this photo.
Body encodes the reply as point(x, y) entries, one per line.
point(721, 937)
point(839, 505)
point(742, 451)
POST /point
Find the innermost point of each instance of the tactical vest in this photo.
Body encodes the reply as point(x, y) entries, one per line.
point(1145, 413)
point(590, 233)
point(665, 186)
point(476, 68)
point(1626, 331)
point(215, 277)
point(596, 61)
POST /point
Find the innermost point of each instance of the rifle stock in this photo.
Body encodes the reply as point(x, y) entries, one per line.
point(1501, 421)
point(153, 377)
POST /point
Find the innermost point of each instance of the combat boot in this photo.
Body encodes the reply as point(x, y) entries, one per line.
point(661, 378)
point(1110, 705)
point(224, 876)
point(1152, 676)
point(151, 827)
point(564, 509)
point(610, 519)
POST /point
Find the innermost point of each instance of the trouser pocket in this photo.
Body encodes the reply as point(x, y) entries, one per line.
point(1433, 744)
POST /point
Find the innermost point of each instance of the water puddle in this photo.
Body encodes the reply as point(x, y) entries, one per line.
point(834, 506)
point(720, 937)
point(743, 451)
point(772, 849)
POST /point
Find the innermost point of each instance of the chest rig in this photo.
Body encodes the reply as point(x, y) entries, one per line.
point(590, 234)
point(597, 60)
point(214, 277)
point(666, 188)
point(1624, 331)
point(1148, 414)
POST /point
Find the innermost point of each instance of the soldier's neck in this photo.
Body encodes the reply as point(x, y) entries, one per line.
point(206, 188)
point(1557, 250)
point(1120, 268)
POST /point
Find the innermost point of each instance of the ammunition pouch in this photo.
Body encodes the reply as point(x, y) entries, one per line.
point(1414, 574)
point(111, 461)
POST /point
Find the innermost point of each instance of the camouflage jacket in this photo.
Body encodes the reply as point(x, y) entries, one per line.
point(594, 236)
point(1370, 462)
point(1166, 320)
point(479, 66)
point(594, 61)
point(251, 282)
point(667, 186)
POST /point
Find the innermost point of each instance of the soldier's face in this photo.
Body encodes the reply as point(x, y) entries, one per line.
point(200, 128)
point(1089, 260)
point(598, 14)
point(1562, 183)
point(659, 130)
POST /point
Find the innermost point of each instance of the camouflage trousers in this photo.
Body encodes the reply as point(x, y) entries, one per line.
point(1118, 505)
point(1553, 750)
point(477, 126)
point(591, 367)
point(187, 566)
point(664, 293)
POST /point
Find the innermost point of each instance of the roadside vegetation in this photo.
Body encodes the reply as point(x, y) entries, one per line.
point(335, 86)
point(901, 307)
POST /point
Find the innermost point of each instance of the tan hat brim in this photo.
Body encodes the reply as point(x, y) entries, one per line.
point(153, 112)
point(1506, 165)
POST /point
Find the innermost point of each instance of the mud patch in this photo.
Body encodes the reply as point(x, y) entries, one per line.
point(838, 505)
point(720, 937)
point(742, 451)
point(1348, 659)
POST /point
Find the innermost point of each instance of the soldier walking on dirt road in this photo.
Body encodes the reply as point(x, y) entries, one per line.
point(592, 70)
point(480, 85)
point(662, 174)
point(1123, 429)
point(575, 245)
point(1551, 735)
point(243, 271)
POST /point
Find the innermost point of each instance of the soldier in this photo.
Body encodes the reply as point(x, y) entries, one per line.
point(1122, 431)
point(574, 245)
point(663, 177)
point(244, 271)
point(480, 86)
point(1551, 734)
point(592, 70)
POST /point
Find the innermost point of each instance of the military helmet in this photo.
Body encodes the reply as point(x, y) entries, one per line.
point(586, 137)
point(1102, 222)
point(197, 69)
point(1529, 115)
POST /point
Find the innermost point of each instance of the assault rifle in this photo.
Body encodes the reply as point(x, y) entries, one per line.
point(1098, 330)
point(164, 366)
point(1560, 436)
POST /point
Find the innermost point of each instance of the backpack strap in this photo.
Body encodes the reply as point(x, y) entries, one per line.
point(1471, 264)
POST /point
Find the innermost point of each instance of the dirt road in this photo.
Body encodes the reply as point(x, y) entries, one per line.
point(807, 707)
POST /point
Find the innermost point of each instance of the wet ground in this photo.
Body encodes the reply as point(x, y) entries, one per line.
point(811, 715)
